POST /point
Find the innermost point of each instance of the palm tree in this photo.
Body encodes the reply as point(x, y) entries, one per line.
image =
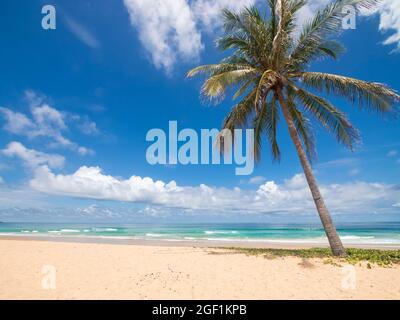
point(267, 67)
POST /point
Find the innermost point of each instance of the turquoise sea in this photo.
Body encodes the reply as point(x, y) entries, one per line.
point(374, 233)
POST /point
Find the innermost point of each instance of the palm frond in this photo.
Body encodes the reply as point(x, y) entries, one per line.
point(215, 69)
point(240, 113)
point(247, 32)
point(330, 117)
point(265, 58)
point(271, 127)
point(285, 17)
point(303, 127)
point(266, 122)
point(314, 36)
point(373, 95)
point(260, 123)
point(215, 86)
point(244, 88)
point(232, 21)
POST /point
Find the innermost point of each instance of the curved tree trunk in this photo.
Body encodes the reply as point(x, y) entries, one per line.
point(333, 237)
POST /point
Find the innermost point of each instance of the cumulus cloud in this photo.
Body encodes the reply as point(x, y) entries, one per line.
point(32, 158)
point(171, 30)
point(292, 196)
point(45, 121)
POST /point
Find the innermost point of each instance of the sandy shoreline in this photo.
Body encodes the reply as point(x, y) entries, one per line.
point(29, 269)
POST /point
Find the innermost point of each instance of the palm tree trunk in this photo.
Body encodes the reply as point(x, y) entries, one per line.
point(330, 230)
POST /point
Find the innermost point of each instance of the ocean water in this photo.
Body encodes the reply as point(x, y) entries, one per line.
point(373, 233)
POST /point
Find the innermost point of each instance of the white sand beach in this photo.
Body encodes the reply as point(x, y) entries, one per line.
point(58, 270)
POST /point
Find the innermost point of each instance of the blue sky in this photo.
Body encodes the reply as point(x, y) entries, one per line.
point(77, 102)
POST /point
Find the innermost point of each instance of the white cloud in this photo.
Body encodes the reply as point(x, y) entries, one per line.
point(45, 121)
point(152, 211)
point(389, 12)
point(32, 158)
point(81, 32)
point(292, 196)
point(88, 127)
point(1, 180)
point(16, 122)
point(171, 30)
point(49, 122)
point(167, 30)
point(85, 151)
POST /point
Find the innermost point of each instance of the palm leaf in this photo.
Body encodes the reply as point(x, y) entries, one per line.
point(313, 38)
point(373, 95)
point(330, 117)
point(303, 127)
point(215, 86)
point(271, 126)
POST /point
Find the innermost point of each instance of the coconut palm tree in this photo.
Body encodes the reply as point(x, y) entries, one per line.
point(268, 69)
